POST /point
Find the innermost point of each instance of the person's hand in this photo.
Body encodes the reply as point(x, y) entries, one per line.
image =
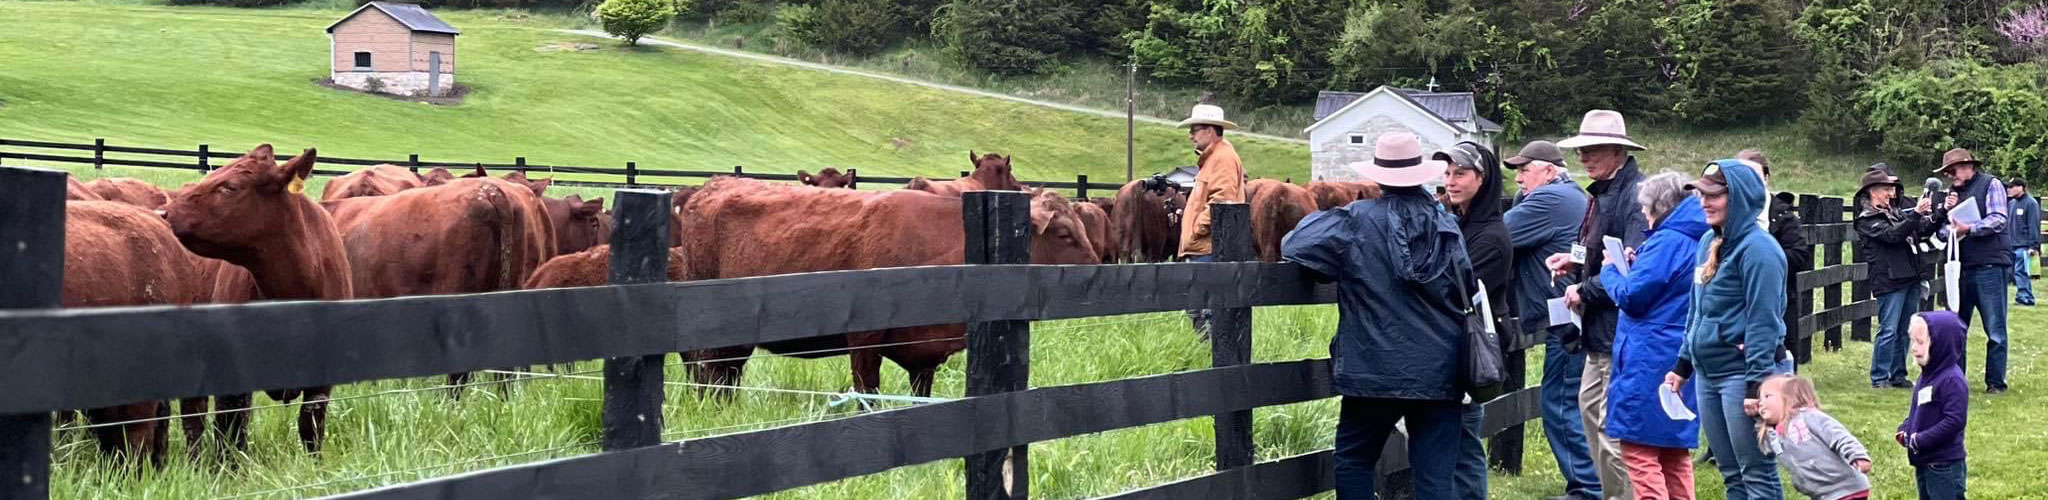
point(1925, 207)
point(1749, 407)
point(1571, 296)
point(1559, 264)
point(1862, 466)
point(1673, 381)
point(1961, 228)
point(1631, 255)
point(1951, 203)
point(1900, 437)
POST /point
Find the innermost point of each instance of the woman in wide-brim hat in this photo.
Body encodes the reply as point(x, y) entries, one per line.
point(1887, 236)
point(1397, 160)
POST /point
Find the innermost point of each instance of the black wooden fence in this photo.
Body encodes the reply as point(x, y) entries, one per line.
point(55, 359)
point(633, 174)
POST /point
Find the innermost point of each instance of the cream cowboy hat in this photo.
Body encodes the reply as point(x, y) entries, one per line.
point(1601, 128)
point(1397, 161)
point(1207, 114)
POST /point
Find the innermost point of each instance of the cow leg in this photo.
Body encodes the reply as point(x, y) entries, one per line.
point(160, 435)
point(313, 418)
point(192, 416)
point(867, 371)
point(129, 441)
point(456, 383)
point(720, 367)
point(231, 421)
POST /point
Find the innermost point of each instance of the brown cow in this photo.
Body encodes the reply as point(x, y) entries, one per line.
point(578, 224)
point(381, 180)
point(1276, 207)
point(253, 214)
point(1101, 233)
point(437, 176)
point(1331, 194)
point(592, 267)
point(828, 178)
point(1147, 218)
point(76, 191)
point(118, 254)
point(680, 197)
point(130, 191)
point(991, 173)
point(739, 228)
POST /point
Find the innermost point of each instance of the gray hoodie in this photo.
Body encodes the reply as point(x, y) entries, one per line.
point(1818, 453)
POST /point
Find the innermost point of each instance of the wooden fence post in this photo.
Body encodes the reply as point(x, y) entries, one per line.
point(32, 220)
point(99, 154)
point(1081, 187)
point(519, 164)
point(1831, 298)
point(1504, 450)
point(1230, 333)
point(205, 159)
point(632, 385)
point(964, 173)
point(1859, 290)
point(412, 161)
point(632, 173)
point(1810, 214)
point(998, 229)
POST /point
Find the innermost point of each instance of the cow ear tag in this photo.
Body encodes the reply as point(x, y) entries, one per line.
point(298, 185)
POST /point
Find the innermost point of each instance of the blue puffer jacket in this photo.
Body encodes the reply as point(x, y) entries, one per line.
point(1730, 312)
point(1654, 297)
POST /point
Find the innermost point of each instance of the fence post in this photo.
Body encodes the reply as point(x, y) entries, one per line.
point(1831, 213)
point(1230, 333)
point(632, 173)
point(853, 174)
point(205, 159)
point(519, 164)
point(99, 154)
point(412, 161)
point(998, 229)
point(632, 385)
point(964, 173)
point(32, 217)
point(1810, 214)
point(1081, 187)
point(1859, 290)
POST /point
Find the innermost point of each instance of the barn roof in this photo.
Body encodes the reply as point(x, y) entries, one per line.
point(1451, 107)
point(412, 16)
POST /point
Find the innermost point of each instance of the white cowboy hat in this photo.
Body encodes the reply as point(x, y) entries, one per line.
point(1207, 114)
point(1397, 160)
point(1601, 128)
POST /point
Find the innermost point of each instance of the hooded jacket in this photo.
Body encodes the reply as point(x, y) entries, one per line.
point(1888, 237)
point(1785, 228)
point(1726, 315)
point(1940, 408)
point(1404, 284)
point(1654, 296)
point(1619, 216)
point(1544, 222)
point(1486, 236)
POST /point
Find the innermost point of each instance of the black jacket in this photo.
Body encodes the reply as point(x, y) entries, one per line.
point(1791, 236)
point(1486, 238)
point(1621, 217)
point(1887, 238)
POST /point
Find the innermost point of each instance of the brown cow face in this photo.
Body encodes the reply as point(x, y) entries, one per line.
point(539, 187)
point(579, 224)
point(437, 176)
point(827, 178)
point(229, 212)
point(1059, 236)
point(993, 171)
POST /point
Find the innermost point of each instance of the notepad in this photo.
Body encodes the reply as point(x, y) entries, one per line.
point(1674, 406)
point(1561, 314)
point(1616, 254)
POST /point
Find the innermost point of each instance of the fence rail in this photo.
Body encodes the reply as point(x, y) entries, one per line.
point(629, 176)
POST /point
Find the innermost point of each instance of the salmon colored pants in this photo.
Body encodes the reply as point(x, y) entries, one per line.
point(1658, 473)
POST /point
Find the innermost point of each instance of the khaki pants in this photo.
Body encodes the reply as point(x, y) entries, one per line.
point(1607, 461)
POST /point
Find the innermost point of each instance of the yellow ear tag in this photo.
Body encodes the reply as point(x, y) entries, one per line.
point(298, 186)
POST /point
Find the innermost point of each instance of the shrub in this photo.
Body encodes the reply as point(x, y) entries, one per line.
point(234, 3)
point(1012, 36)
point(857, 27)
point(798, 25)
point(632, 19)
point(2001, 113)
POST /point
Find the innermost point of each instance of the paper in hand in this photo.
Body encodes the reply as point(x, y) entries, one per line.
point(1966, 212)
point(1617, 254)
point(1561, 314)
point(1674, 406)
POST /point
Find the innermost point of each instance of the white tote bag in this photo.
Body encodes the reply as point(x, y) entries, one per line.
point(1952, 271)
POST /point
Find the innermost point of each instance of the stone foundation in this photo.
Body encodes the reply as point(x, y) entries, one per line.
point(405, 83)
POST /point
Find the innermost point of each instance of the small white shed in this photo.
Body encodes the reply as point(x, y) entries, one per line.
point(393, 48)
point(1348, 124)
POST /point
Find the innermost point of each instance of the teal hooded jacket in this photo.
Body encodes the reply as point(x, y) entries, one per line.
point(1737, 321)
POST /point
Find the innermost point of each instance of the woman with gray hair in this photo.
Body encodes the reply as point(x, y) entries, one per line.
point(1654, 295)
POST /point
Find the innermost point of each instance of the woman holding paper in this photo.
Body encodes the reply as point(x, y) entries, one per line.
point(1654, 293)
point(1735, 326)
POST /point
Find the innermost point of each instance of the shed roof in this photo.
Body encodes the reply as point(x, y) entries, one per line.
point(1451, 107)
point(412, 16)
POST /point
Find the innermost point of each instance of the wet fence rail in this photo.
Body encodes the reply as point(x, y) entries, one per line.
point(54, 359)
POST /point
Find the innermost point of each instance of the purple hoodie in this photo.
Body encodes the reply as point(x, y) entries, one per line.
point(1941, 400)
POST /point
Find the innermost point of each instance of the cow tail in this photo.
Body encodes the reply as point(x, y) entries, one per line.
point(504, 224)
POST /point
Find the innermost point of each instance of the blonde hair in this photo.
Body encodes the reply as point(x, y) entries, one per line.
point(1713, 264)
point(1799, 393)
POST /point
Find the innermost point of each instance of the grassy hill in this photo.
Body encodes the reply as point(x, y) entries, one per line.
point(180, 76)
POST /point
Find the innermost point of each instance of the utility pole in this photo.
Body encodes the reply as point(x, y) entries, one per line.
point(1131, 121)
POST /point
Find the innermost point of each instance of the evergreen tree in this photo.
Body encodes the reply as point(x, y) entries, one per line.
point(1737, 61)
point(1013, 36)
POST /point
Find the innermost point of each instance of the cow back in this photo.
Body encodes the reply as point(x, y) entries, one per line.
point(1276, 207)
point(117, 254)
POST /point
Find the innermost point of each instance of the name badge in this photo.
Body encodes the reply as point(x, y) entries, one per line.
point(1926, 395)
point(1578, 254)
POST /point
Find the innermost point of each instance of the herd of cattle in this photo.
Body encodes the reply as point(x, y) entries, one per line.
point(247, 232)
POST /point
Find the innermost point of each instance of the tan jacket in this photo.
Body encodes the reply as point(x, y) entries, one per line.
point(1221, 180)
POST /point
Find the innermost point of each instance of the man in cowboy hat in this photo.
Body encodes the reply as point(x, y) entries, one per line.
point(1220, 179)
point(1544, 221)
point(1603, 146)
point(1396, 354)
point(1887, 235)
point(1986, 254)
point(2026, 237)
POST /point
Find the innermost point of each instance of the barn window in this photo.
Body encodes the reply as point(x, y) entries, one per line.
point(1358, 138)
point(363, 60)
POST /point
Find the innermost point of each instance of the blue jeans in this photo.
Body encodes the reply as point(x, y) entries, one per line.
point(1363, 425)
point(1895, 312)
point(1472, 452)
point(1942, 481)
point(1983, 289)
point(1562, 425)
point(2021, 278)
point(1731, 434)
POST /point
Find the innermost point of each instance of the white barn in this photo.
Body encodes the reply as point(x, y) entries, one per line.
point(1348, 123)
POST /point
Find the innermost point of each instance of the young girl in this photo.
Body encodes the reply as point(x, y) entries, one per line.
point(1823, 459)
point(1934, 428)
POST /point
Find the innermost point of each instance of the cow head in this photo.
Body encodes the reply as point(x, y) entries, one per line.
point(1058, 236)
point(437, 176)
point(993, 171)
point(539, 187)
point(828, 178)
point(235, 209)
point(579, 224)
point(76, 191)
point(675, 221)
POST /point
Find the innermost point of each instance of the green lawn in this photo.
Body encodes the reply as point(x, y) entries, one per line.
point(176, 77)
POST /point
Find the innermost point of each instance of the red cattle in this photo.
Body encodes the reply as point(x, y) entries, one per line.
point(1147, 219)
point(76, 191)
point(592, 267)
point(1276, 207)
point(466, 236)
point(118, 254)
point(1101, 233)
point(253, 214)
point(130, 191)
point(680, 197)
point(1331, 194)
point(991, 173)
point(739, 228)
point(379, 180)
point(437, 176)
point(828, 178)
